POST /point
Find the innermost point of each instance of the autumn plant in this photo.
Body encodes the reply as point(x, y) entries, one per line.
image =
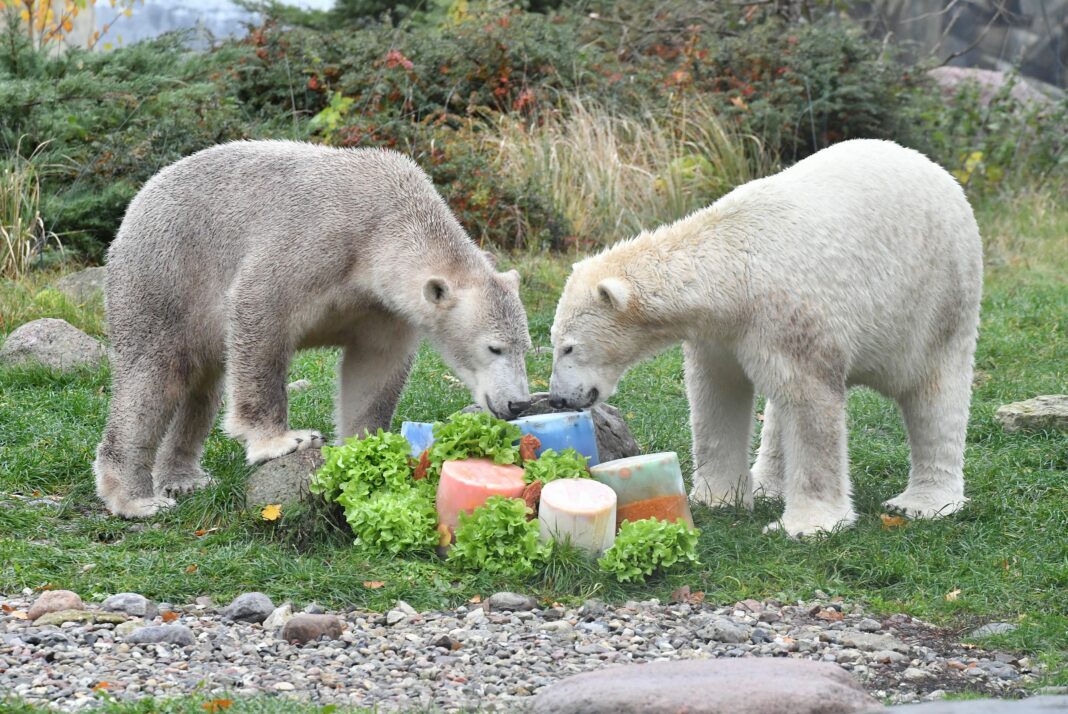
point(50, 21)
point(23, 235)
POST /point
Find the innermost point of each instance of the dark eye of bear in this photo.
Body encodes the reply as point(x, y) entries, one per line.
point(495, 350)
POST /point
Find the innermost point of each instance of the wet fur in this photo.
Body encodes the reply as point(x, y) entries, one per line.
point(861, 265)
point(230, 260)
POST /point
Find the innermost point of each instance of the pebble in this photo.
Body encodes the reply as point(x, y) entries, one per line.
point(54, 601)
point(510, 601)
point(464, 658)
point(992, 628)
point(249, 607)
point(132, 604)
point(279, 616)
point(869, 625)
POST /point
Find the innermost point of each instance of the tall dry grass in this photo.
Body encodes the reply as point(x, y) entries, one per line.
point(23, 235)
point(611, 176)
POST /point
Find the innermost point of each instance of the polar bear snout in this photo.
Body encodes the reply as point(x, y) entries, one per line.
point(586, 399)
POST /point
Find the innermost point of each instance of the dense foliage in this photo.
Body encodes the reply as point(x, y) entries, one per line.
point(477, 435)
point(436, 82)
point(551, 466)
point(360, 467)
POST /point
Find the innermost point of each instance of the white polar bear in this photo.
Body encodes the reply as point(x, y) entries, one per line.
point(861, 264)
point(235, 257)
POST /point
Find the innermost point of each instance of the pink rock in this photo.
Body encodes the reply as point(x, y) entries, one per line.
point(465, 485)
point(54, 601)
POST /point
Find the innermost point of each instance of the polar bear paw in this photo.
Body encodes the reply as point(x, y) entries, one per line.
point(138, 507)
point(926, 504)
point(805, 523)
point(186, 481)
point(271, 448)
point(721, 498)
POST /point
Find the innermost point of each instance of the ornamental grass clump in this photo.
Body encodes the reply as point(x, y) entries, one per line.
point(645, 546)
point(497, 538)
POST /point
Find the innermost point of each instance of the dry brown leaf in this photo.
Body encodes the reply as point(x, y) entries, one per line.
point(191, 569)
point(952, 595)
point(532, 497)
point(217, 705)
point(101, 686)
point(271, 512)
point(890, 522)
point(169, 616)
point(20, 615)
point(373, 584)
point(830, 615)
point(423, 466)
point(444, 536)
point(46, 586)
point(476, 599)
point(7, 608)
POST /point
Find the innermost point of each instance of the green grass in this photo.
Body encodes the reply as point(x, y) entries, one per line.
point(1007, 552)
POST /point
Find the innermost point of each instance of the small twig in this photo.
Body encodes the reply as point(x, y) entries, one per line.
point(982, 35)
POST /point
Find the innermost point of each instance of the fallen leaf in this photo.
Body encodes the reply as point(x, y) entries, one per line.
point(444, 536)
point(46, 586)
point(191, 569)
point(528, 444)
point(952, 595)
point(101, 686)
point(740, 103)
point(20, 615)
point(204, 531)
point(271, 512)
point(476, 599)
point(960, 666)
point(373, 584)
point(217, 705)
point(830, 615)
point(7, 608)
point(87, 567)
point(890, 522)
point(36, 493)
point(455, 645)
point(169, 616)
point(539, 383)
point(685, 595)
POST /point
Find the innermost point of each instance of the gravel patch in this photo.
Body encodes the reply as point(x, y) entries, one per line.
point(469, 657)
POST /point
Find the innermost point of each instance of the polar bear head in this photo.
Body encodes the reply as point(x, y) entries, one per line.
point(602, 326)
point(479, 327)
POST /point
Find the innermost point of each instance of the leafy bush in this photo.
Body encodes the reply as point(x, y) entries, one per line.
point(497, 538)
point(642, 547)
point(393, 521)
point(551, 466)
point(475, 435)
point(360, 467)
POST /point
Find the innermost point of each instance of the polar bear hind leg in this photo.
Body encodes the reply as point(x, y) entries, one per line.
point(936, 418)
point(769, 469)
point(177, 466)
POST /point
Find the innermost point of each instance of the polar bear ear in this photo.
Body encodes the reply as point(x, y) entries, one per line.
point(614, 292)
point(511, 277)
point(436, 291)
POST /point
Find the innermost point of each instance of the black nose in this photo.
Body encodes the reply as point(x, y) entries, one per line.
point(557, 402)
point(517, 407)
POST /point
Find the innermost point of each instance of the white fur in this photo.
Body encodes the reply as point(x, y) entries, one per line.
point(861, 264)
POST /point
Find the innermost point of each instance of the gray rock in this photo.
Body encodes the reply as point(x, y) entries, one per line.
point(279, 616)
point(53, 343)
point(989, 82)
point(1000, 670)
point(739, 686)
point(283, 480)
point(304, 628)
point(131, 604)
point(125, 628)
point(510, 601)
point(614, 440)
point(301, 385)
point(82, 286)
point(170, 634)
point(869, 625)
point(395, 617)
point(1048, 412)
point(249, 607)
point(723, 630)
point(1034, 705)
point(313, 608)
point(992, 628)
point(60, 617)
point(54, 601)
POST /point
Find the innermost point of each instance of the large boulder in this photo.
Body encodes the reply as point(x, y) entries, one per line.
point(717, 686)
point(614, 440)
point(283, 480)
point(82, 286)
point(1049, 411)
point(989, 82)
point(53, 343)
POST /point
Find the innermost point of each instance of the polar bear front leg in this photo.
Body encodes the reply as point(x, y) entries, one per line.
point(721, 416)
point(257, 363)
point(371, 377)
point(816, 488)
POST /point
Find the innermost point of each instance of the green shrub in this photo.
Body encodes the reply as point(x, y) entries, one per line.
point(497, 538)
point(645, 546)
point(551, 466)
point(393, 521)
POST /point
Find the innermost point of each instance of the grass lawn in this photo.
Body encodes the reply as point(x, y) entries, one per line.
point(1005, 555)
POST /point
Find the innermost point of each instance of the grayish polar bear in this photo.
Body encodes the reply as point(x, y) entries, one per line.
point(861, 264)
point(235, 257)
